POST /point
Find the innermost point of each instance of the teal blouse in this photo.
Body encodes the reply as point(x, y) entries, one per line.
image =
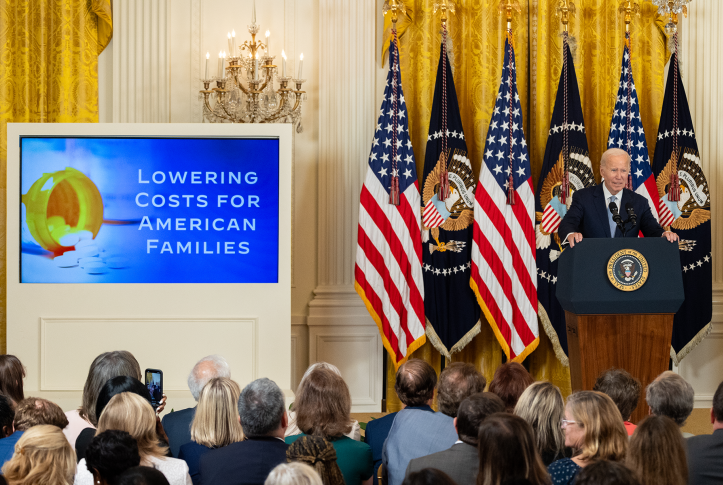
point(353, 457)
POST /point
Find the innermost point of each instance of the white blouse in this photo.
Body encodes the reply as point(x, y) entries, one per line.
point(175, 471)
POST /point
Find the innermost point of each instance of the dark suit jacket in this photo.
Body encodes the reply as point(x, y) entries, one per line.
point(460, 462)
point(191, 453)
point(244, 463)
point(588, 215)
point(705, 458)
point(375, 435)
point(178, 428)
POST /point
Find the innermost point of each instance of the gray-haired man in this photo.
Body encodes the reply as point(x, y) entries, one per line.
point(672, 396)
point(178, 424)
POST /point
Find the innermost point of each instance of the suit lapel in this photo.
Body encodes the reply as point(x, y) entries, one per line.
point(602, 209)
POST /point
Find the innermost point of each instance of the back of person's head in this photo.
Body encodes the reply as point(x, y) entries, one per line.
point(718, 403)
point(216, 423)
point(110, 453)
point(320, 365)
point(320, 454)
point(672, 396)
point(105, 367)
point(115, 386)
point(34, 411)
point(323, 404)
point(42, 456)
point(472, 411)
point(415, 382)
point(261, 407)
point(12, 374)
point(133, 414)
point(142, 475)
point(509, 382)
point(7, 416)
point(623, 389)
point(458, 381)
point(604, 437)
point(206, 369)
point(507, 451)
point(428, 476)
point(606, 472)
point(657, 452)
point(295, 473)
point(542, 406)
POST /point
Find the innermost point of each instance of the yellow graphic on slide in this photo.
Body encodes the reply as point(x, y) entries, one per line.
point(61, 208)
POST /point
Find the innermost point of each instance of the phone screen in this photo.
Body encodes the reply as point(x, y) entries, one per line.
point(154, 383)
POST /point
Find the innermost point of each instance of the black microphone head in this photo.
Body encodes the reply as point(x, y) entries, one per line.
point(629, 207)
point(613, 208)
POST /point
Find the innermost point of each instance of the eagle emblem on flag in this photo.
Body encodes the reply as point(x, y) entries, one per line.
point(693, 208)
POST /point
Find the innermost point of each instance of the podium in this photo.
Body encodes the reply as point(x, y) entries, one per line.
point(614, 320)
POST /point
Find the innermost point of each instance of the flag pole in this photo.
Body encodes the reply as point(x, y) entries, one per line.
point(564, 10)
point(508, 6)
point(444, 6)
point(674, 192)
point(629, 8)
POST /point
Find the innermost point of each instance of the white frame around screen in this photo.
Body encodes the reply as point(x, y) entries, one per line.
point(89, 319)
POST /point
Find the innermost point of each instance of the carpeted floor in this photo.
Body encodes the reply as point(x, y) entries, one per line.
point(698, 422)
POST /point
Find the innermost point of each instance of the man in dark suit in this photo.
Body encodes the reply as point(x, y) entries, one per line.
point(705, 452)
point(263, 417)
point(461, 461)
point(589, 214)
point(178, 423)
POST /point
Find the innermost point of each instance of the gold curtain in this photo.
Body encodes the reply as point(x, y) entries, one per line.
point(49, 54)
point(477, 31)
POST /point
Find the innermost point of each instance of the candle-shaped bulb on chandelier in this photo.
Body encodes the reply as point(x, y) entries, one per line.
point(283, 63)
point(301, 64)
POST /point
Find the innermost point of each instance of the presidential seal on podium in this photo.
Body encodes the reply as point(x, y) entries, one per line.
point(627, 270)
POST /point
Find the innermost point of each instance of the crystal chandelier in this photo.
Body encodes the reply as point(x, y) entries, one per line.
point(244, 91)
point(671, 9)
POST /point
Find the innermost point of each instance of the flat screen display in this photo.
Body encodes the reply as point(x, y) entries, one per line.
point(149, 210)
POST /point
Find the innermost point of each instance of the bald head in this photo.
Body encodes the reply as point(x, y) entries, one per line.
point(205, 370)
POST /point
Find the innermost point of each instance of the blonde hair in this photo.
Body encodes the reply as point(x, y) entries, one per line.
point(42, 455)
point(216, 423)
point(542, 406)
point(131, 413)
point(293, 474)
point(605, 437)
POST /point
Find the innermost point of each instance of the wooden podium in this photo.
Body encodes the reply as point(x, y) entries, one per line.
point(611, 327)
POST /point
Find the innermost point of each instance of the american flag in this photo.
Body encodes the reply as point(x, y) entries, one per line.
point(504, 273)
point(626, 132)
point(388, 268)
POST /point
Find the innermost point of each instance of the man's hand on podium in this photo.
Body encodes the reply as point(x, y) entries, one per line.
point(573, 238)
point(670, 236)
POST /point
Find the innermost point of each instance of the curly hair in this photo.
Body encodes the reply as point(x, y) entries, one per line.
point(42, 455)
point(110, 453)
point(34, 411)
point(458, 381)
point(318, 453)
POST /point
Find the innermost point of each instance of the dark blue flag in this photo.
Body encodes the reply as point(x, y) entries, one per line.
point(566, 165)
point(677, 168)
point(447, 215)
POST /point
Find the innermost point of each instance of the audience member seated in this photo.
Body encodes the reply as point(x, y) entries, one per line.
point(263, 417)
point(132, 413)
point(421, 432)
point(624, 390)
point(507, 452)
point(705, 452)
point(112, 387)
point(414, 384)
point(30, 412)
point(319, 453)
point(542, 406)
point(293, 474)
point(428, 476)
point(216, 423)
point(7, 416)
point(178, 423)
point(657, 453)
point(509, 382)
point(111, 453)
point(12, 374)
point(42, 456)
point(606, 472)
point(672, 396)
point(293, 429)
point(142, 475)
point(594, 430)
point(322, 406)
point(460, 462)
point(104, 367)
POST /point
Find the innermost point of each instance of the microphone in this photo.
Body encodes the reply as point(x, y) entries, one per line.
point(616, 217)
point(631, 213)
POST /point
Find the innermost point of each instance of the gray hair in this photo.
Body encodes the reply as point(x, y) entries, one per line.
point(206, 369)
point(319, 365)
point(104, 368)
point(613, 152)
point(295, 473)
point(261, 407)
point(672, 396)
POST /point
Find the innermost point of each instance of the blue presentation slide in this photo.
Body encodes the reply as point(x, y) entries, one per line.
point(149, 210)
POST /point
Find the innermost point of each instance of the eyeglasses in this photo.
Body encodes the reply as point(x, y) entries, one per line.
point(565, 422)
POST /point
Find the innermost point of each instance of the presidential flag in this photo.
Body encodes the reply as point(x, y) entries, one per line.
point(504, 274)
point(626, 132)
point(388, 268)
point(565, 170)
point(682, 185)
point(447, 212)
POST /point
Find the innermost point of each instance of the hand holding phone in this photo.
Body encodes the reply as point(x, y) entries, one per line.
point(154, 383)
